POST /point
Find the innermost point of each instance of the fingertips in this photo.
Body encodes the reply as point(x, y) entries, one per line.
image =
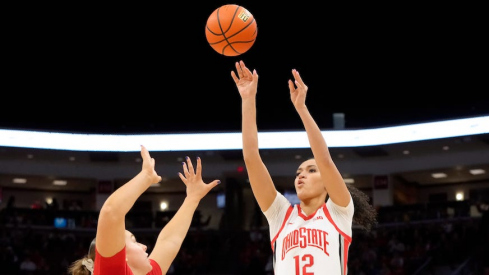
point(291, 85)
point(189, 161)
point(144, 151)
point(215, 183)
point(297, 75)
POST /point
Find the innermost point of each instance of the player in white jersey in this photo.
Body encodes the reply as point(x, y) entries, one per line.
point(312, 237)
point(309, 244)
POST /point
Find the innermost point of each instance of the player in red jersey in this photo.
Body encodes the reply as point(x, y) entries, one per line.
point(314, 236)
point(116, 251)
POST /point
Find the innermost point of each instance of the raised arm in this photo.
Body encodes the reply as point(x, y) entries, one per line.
point(111, 222)
point(173, 234)
point(333, 181)
point(260, 179)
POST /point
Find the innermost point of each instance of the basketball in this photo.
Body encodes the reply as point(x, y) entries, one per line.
point(231, 30)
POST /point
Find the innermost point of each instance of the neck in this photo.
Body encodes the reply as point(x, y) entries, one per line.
point(311, 206)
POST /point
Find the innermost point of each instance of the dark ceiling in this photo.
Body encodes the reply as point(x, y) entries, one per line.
point(143, 68)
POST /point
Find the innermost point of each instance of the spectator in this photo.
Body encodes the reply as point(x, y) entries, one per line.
point(27, 266)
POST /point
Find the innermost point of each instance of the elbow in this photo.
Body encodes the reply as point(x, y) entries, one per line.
point(110, 212)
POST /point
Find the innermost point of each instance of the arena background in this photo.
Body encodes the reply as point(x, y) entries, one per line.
point(147, 68)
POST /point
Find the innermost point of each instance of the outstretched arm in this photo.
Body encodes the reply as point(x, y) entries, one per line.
point(173, 234)
point(333, 181)
point(111, 222)
point(260, 179)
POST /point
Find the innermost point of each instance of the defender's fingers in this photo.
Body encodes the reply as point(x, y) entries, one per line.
point(213, 184)
point(184, 167)
point(144, 152)
point(182, 178)
point(199, 166)
point(190, 165)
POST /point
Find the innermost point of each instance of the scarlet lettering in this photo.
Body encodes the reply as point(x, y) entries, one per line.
point(304, 237)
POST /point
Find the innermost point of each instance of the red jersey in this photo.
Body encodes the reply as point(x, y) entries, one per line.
point(117, 265)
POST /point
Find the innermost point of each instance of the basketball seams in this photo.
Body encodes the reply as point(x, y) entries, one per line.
point(230, 23)
point(229, 27)
point(229, 45)
point(231, 30)
point(241, 30)
point(225, 38)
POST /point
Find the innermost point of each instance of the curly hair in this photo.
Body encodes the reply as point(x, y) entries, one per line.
point(365, 214)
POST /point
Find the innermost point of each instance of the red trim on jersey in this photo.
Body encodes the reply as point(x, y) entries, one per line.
point(287, 215)
point(328, 215)
point(346, 246)
point(306, 217)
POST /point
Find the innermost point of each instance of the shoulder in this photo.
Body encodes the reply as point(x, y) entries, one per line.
point(116, 263)
point(347, 210)
point(156, 268)
point(280, 203)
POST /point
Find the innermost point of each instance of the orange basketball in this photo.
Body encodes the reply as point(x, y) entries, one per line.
point(231, 30)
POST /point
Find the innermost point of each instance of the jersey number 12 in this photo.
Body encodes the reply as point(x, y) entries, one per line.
point(305, 261)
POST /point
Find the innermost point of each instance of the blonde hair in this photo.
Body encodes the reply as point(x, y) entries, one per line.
point(84, 266)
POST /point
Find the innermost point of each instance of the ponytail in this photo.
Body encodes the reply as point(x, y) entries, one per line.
point(84, 266)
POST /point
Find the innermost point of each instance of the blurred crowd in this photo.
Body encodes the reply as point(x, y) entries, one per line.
point(406, 241)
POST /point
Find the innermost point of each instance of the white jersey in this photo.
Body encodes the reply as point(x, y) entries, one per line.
point(309, 245)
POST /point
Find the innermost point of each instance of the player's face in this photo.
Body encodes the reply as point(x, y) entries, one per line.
point(308, 182)
point(136, 255)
